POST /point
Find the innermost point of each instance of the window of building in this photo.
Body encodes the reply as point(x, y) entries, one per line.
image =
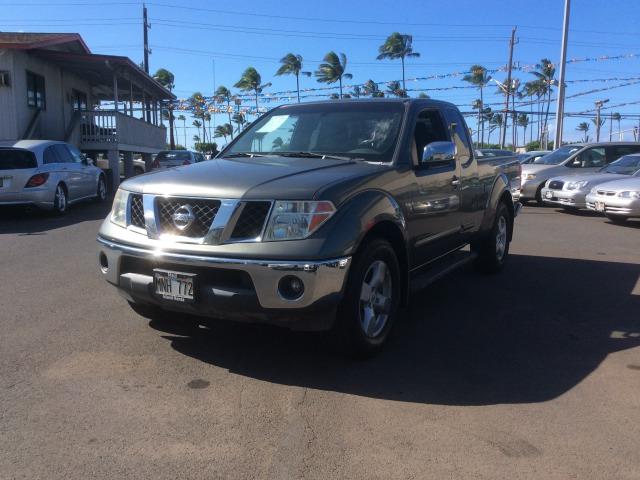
point(79, 100)
point(35, 91)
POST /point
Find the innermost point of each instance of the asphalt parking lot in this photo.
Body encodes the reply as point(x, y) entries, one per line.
point(534, 373)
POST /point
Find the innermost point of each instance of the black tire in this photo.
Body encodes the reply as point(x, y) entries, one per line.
point(617, 219)
point(60, 200)
point(101, 191)
point(375, 258)
point(493, 249)
point(539, 196)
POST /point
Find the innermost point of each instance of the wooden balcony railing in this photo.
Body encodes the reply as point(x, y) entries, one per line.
point(108, 129)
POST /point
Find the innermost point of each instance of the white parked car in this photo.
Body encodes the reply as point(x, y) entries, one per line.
point(176, 158)
point(618, 200)
point(47, 174)
point(570, 191)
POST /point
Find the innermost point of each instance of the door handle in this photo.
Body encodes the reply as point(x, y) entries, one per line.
point(455, 181)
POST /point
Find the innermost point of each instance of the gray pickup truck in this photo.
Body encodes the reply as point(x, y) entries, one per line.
point(319, 216)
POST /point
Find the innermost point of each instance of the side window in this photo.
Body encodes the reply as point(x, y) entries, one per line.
point(63, 154)
point(75, 154)
point(590, 158)
point(614, 153)
point(50, 156)
point(459, 134)
point(429, 128)
point(35, 91)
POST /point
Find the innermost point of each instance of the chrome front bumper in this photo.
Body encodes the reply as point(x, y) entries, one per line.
point(565, 198)
point(625, 207)
point(322, 279)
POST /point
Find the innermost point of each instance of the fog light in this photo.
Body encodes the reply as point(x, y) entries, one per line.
point(104, 263)
point(290, 287)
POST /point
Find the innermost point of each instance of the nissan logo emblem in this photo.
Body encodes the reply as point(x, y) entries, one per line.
point(183, 217)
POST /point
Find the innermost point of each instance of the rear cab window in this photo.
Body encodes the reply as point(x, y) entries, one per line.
point(17, 159)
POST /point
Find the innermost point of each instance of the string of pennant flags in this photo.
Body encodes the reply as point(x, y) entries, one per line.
point(209, 102)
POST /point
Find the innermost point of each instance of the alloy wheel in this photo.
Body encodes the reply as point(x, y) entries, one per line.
point(501, 237)
point(375, 299)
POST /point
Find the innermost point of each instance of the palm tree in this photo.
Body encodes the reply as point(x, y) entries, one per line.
point(239, 119)
point(223, 130)
point(394, 89)
point(292, 65)
point(198, 124)
point(184, 127)
point(356, 92)
point(480, 79)
point(545, 73)
point(496, 121)
point(165, 78)
point(196, 102)
point(584, 127)
point(251, 81)
point(206, 118)
point(423, 95)
point(532, 89)
point(477, 105)
point(523, 121)
point(371, 88)
point(617, 117)
point(396, 46)
point(223, 94)
point(333, 69)
point(196, 138)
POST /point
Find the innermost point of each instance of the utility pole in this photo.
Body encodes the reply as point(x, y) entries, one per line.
point(512, 42)
point(599, 104)
point(145, 27)
point(563, 65)
point(610, 126)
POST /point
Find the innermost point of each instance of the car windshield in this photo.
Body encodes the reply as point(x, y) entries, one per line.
point(14, 159)
point(172, 156)
point(557, 156)
point(627, 165)
point(367, 130)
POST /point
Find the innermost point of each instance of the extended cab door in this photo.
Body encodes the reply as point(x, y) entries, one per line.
point(433, 222)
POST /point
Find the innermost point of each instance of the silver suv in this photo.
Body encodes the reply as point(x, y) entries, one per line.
point(572, 159)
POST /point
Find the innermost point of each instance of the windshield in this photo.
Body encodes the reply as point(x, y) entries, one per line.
point(557, 156)
point(13, 159)
point(367, 131)
point(627, 165)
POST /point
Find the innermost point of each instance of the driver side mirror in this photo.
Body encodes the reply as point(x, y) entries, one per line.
point(438, 154)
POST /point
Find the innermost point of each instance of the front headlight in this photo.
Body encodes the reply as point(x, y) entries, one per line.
point(119, 209)
point(577, 185)
point(293, 220)
point(630, 194)
point(529, 176)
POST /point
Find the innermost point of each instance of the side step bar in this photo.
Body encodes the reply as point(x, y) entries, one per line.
point(438, 269)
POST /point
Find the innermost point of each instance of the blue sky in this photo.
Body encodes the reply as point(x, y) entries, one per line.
point(186, 37)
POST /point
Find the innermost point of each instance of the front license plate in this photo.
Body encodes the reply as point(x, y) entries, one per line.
point(174, 286)
point(548, 194)
point(599, 206)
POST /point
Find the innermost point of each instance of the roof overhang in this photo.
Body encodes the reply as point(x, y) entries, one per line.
point(99, 71)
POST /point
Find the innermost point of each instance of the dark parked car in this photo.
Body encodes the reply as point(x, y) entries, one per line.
point(495, 152)
point(318, 216)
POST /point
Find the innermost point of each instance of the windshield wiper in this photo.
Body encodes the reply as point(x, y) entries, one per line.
point(310, 155)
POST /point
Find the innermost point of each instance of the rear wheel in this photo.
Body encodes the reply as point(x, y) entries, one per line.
point(539, 196)
point(617, 219)
point(493, 249)
point(101, 193)
point(60, 200)
point(372, 297)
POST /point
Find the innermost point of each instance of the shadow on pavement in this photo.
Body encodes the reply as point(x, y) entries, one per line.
point(34, 221)
point(527, 335)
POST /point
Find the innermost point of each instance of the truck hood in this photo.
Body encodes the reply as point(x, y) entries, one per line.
point(251, 178)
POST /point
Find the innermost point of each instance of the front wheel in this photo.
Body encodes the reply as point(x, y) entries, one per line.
point(101, 192)
point(372, 297)
point(493, 249)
